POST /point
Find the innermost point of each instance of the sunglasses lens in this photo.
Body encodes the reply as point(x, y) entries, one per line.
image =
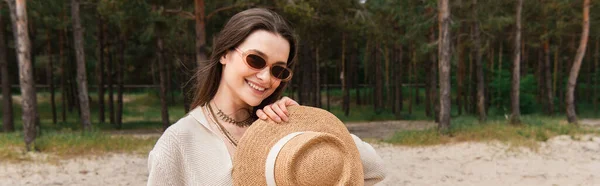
point(280, 72)
point(256, 61)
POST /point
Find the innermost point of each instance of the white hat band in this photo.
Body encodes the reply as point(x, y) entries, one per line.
point(272, 156)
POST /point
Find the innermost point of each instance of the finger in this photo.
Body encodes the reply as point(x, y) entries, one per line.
point(278, 110)
point(289, 102)
point(261, 114)
point(271, 114)
point(282, 106)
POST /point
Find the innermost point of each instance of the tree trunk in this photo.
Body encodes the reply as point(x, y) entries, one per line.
point(326, 81)
point(120, 69)
point(7, 110)
point(63, 74)
point(366, 69)
point(428, 79)
point(345, 104)
point(416, 82)
point(200, 33)
point(433, 92)
point(378, 80)
point(100, 73)
point(557, 74)
point(81, 71)
point(26, 80)
point(500, 52)
point(398, 90)
point(478, 67)
point(109, 83)
point(163, 84)
point(514, 96)
point(444, 65)
point(317, 76)
point(489, 76)
point(152, 70)
point(571, 115)
point(548, 78)
point(350, 63)
point(411, 79)
point(472, 83)
point(355, 78)
point(524, 60)
point(539, 74)
point(170, 96)
point(460, 79)
point(597, 78)
point(50, 80)
point(386, 60)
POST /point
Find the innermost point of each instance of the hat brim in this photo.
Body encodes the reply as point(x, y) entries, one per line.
point(250, 157)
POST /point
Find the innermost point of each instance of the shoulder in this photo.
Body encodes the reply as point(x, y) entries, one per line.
point(171, 137)
point(184, 125)
point(178, 137)
point(184, 128)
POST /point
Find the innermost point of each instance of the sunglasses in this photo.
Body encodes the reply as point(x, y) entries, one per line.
point(255, 61)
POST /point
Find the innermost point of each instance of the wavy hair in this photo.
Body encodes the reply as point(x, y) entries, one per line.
point(235, 31)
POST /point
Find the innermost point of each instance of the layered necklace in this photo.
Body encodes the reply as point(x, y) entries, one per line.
point(228, 135)
point(244, 123)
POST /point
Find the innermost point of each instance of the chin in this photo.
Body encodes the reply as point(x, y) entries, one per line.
point(254, 104)
point(253, 101)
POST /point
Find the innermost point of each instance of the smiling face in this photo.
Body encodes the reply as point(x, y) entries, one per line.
point(248, 86)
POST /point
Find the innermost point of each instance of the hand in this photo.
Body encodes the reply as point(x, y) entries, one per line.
point(277, 111)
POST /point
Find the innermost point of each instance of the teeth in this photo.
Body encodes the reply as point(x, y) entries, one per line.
point(256, 87)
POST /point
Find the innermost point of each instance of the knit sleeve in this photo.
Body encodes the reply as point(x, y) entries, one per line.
point(164, 162)
point(373, 168)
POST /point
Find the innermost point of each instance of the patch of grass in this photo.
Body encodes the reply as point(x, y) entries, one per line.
point(534, 129)
point(67, 143)
point(10, 143)
point(141, 110)
point(361, 113)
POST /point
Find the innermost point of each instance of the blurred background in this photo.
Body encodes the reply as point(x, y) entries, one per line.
point(363, 60)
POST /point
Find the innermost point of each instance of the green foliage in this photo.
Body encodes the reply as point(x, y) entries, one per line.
point(501, 83)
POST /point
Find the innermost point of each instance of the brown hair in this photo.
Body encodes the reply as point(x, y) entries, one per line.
point(233, 34)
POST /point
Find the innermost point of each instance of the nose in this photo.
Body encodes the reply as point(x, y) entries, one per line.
point(264, 74)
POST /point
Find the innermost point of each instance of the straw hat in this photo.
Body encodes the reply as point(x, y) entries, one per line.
point(312, 148)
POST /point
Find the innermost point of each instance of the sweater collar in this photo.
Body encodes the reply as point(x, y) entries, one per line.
point(199, 116)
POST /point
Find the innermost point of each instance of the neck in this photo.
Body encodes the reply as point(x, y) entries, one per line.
point(231, 105)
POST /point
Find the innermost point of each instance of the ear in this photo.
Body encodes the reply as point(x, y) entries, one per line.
point(224, 59)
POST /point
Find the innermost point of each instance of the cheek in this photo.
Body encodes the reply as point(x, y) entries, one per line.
point(235, 71)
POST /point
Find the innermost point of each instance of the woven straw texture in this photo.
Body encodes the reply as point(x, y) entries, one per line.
point(250, 157)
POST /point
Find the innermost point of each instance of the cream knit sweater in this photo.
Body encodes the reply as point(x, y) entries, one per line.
point(190, 153)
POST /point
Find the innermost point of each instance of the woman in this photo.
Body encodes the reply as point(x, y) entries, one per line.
point(248, 69)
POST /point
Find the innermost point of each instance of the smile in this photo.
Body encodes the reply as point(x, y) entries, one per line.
point(255, 87)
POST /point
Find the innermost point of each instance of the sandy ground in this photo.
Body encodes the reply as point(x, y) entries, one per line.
point(116, 169)
point(559, 161)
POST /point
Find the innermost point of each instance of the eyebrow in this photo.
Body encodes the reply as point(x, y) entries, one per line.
point(264, 55)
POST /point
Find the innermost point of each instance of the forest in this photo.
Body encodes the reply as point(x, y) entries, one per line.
point(437, 58)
